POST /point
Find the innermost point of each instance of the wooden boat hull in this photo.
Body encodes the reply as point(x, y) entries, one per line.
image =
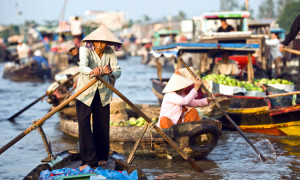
point(64, 159)
point(263, 119)
point(197, 139)
point(26, 73)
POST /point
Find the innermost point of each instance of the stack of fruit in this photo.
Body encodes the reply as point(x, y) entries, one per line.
point(280, 84)
point(274, 81)
point(139, 122)
point(229, 81)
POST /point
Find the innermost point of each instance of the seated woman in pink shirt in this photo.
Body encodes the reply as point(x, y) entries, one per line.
point(173, 110)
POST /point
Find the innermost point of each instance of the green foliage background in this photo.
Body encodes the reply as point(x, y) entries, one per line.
point(290, 11)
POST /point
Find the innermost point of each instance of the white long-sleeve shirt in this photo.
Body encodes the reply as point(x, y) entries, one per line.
point(172, 103)
point(274, 48)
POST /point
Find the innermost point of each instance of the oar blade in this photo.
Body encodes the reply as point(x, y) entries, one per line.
point(195, 165)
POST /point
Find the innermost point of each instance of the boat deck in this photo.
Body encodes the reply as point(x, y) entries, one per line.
point(111, 164)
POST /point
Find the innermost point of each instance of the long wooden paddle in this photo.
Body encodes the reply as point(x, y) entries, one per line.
point(43, 119)
point(282, 94)
point(167, 138)
point(136, 144)
point(223, 111)
point(40, 98)
point(291, 51)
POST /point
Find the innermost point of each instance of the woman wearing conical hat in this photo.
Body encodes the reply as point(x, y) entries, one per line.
point(173, 110)
point(96, 58)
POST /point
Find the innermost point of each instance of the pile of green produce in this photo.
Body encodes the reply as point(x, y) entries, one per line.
point(273, 81)
point(229, 81)
point(139, 122)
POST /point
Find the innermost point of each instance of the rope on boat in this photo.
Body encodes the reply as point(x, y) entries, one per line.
point(33, 125)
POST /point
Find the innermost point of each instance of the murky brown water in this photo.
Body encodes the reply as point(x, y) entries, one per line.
point(233, 158)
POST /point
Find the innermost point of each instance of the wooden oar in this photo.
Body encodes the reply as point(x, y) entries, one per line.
point(282, 94)
point(136, 144)
point(27, 107)
point(167, 138)
point(40, 98)
point(225, 114)
point(291, 51)
point(43, 119)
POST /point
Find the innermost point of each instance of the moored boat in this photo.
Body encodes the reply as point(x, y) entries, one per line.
point(71, 159)
point(29, 72)
point(197, 139)
point(251, 114)
point(256, 114)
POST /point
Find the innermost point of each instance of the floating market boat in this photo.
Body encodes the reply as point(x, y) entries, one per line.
point(197, 139)
point(71, 159)
point(30, 72)
point(256, 114)
point(274, 116)
point(209, 22)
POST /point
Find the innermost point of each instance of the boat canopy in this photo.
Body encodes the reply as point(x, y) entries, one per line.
point(165, 32)
point(226, 15)
point(172, 50)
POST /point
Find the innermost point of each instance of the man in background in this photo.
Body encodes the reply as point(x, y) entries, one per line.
point(225, 27)
point(76, 30)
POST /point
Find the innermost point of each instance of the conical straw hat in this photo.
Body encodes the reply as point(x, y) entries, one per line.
point(185, 73)
point(176, 83)
point(102, 33)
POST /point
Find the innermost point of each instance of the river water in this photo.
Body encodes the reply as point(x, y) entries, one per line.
point(232, 158)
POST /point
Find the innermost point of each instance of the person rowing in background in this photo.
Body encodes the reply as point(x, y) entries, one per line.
point(173, 108)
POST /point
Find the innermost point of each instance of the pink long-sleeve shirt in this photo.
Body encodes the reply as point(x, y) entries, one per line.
point(172, 104)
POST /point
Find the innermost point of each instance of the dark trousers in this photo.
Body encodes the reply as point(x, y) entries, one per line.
point(94, 143)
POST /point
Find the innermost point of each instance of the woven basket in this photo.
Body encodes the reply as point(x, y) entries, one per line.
point(118, 110)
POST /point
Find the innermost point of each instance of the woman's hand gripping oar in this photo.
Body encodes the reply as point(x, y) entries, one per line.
point(43, 119)
point(40, 98)
point(223, 111)
point(149, 121)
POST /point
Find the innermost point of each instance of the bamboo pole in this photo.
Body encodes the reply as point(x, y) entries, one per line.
point(131, 155)
point(43, 119)
point(159, 69)
point(291, 51)
point(250, 72)
point(282, 94)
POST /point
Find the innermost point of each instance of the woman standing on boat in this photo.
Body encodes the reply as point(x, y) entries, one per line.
point(96, 59)
point(173, 109)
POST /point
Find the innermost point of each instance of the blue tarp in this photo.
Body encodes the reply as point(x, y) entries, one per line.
point(107, 173)
point(174, 49)
point(207, 46)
